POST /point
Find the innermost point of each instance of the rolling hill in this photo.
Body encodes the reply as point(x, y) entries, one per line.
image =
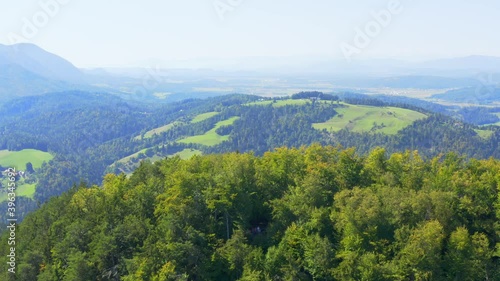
point(362, 118)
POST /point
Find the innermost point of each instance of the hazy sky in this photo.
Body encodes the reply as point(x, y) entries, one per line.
point(121, 32)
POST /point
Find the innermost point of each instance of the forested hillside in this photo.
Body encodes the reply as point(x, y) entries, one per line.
point(91, 134)
point(317, 213)
point(85, 132)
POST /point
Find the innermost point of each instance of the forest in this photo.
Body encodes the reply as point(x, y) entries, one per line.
point(309, 213)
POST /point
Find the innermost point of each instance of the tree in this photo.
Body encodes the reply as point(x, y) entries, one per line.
point(29, 168)
point(421, 256)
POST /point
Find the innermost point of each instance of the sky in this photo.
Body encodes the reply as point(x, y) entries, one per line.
point(129, 32)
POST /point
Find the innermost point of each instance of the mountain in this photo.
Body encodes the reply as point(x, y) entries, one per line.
point(40, 62)
point(26, 69)
point(484, 94)
point(470, 63)
point(409, 81)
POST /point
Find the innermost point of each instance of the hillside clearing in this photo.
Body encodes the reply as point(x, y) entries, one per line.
point(128, 158)
point(18, 159)
point(22, 190)
point(187, 153)
point(204, 116)
point(211, 138)
point(159, 130)
point(485, 134)
point(362, 118)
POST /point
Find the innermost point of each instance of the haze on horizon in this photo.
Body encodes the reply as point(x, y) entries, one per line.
point(124, 33)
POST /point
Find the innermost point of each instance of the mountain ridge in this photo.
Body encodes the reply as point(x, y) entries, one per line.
point(26, 70)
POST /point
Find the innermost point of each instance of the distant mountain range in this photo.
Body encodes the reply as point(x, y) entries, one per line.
point(449, 67)
point(40, 62)
point(470, 64)
point(409, 81)
point(472, 95)
point(26, 69)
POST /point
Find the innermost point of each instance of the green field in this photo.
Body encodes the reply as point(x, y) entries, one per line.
point(211, 138)
point(187, 153)
point(129, 163)
point(362, 118)
point(19, 159)
point(22, 189)
point(203, 116)
point(159, 130)
point(485, 134)
point(128, 158)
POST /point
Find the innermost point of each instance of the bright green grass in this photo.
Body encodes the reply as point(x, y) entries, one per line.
point(26, 190)
point(19, 159)
point(188, 153)
point(204, 116)
point(211, 138)
point(157, 131)
point(485, 134)
point(361, 118)
point(22, 189)
point(128, 158)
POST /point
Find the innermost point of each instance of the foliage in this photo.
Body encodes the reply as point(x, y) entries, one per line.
point(315, 213)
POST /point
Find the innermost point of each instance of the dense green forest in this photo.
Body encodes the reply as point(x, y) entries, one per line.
point(316, 213)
